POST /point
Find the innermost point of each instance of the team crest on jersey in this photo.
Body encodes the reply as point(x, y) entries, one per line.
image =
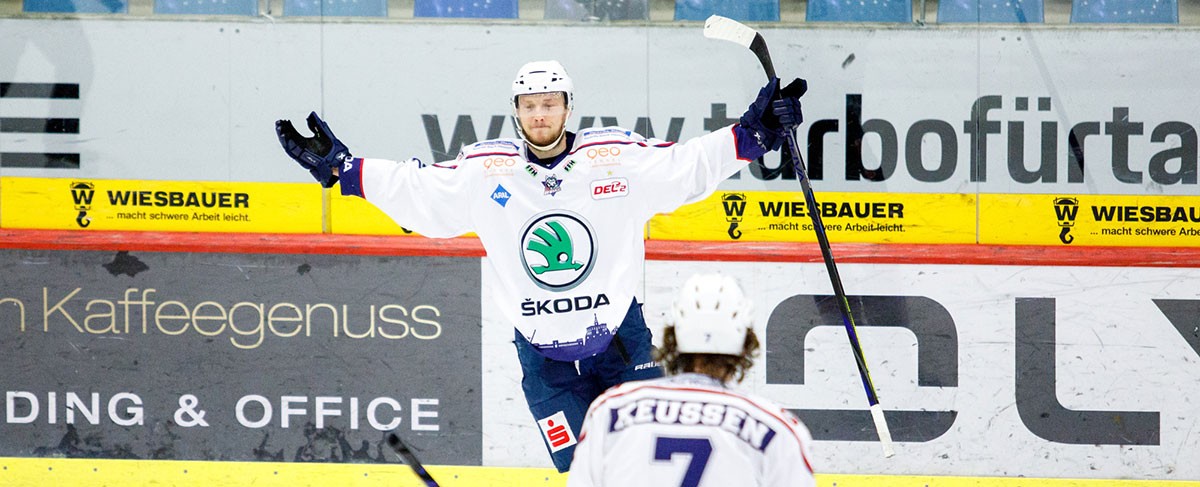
point(501, 195)
point(557, 432)
point(552, 185)
point(558, 249)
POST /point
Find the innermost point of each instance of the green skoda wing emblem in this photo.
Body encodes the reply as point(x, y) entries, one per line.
point(555, 248)
point(558, 249)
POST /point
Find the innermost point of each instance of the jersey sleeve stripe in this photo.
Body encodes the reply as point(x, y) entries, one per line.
point(361, 189)
point(485, 154)
point(737, 144)
point(350, 178)
point(620, 142)
point(603, 142)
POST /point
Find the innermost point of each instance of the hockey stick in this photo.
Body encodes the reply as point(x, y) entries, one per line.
point(402, 449)
point(717, 27)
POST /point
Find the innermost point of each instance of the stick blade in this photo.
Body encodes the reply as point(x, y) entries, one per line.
point(727, 29)
point(881, 427)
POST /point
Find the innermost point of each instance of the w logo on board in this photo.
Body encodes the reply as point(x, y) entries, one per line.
point(735, 206)
point(1066, 209)
point(81, 194)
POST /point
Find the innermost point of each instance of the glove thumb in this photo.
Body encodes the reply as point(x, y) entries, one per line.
point(770, 91)
point(315, 123)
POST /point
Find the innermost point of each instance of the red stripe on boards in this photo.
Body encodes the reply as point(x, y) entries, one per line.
point(672, 250)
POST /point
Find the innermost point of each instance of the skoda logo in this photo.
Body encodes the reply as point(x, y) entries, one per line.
point(558, 249)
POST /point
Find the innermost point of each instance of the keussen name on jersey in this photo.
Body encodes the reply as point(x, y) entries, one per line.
point(693, 413)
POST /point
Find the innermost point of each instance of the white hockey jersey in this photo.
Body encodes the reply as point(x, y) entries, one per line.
point(689, 430)
point(566, 242)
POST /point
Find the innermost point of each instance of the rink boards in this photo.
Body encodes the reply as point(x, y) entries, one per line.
point(1052, 110)
point(1062, 219)
point(22, 472)
point(956, 338)
point(1030, 320)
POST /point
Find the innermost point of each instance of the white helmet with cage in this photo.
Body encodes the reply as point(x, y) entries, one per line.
point(711, 315)
point(542, 77)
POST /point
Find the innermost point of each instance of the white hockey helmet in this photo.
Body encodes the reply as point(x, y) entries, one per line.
point(711, 315)
point(542, 77)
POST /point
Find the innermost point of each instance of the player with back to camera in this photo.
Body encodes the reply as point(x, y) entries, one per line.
point(561, 216)
point(691, 428)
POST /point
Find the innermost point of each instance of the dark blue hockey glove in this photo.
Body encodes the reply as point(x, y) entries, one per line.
point(776, 111)
point(319, 154)
point(758, 130)
point(786, 106)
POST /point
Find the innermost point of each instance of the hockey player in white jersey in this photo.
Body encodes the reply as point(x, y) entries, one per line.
point(561, 216)
point(691, 429)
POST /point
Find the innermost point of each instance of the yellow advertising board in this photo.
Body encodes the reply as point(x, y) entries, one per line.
point(848, 217)
point(761, 216)
point(1092, 220)
point(355, 216)
point(180, 206)
point(38, 472)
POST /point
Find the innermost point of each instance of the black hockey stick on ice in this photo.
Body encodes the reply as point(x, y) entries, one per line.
point(717, 27)
point(393, 440)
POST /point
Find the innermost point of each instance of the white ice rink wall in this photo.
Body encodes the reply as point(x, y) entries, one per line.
point(994, 371)
point(1036, 371)
point(937, 109)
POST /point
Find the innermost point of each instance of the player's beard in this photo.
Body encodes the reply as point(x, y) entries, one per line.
point(544, 136)
point(543, 140)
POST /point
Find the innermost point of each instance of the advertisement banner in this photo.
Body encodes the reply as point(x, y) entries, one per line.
point(1082, 219)
point(981, 370)
point(847, 217)
point(238, 357)
point(1000, 110)
point(988, 371)
point(100, 204)
point(355, 216)
point(351, 215)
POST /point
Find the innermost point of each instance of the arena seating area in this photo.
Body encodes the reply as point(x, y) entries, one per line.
point(921, 12)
